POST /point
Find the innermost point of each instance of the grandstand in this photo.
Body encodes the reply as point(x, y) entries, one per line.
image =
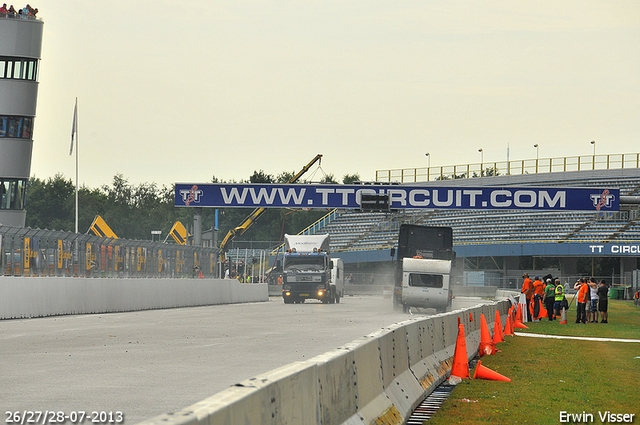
point(368, 236)
point(352, 230)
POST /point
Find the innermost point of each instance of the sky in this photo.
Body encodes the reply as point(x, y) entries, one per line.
point(184, 91)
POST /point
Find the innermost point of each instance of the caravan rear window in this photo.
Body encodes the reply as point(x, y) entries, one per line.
point(425, 280)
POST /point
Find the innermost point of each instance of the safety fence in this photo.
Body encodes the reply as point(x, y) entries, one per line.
point(37, 252)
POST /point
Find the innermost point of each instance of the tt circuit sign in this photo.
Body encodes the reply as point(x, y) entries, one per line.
point(399, 197)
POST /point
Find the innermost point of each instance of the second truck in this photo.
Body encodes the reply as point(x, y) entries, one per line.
point(424, 268)
point(308, 271)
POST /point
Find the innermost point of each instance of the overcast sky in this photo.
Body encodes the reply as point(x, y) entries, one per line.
point(183, 91)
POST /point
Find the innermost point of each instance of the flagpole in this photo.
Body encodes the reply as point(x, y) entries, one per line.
point(77, 149)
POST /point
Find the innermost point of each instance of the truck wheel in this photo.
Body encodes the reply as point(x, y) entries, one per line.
point(337, 298)
point(332, 296)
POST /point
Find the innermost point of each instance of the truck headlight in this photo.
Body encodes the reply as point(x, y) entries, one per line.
point(320, 293)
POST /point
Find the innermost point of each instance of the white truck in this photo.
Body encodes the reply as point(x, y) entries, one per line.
point(307, 270)
point(423, 275)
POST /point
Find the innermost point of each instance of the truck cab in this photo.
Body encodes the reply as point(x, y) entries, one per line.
point(307, 270)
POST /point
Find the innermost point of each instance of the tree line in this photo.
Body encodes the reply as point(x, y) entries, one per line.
point(133, 211)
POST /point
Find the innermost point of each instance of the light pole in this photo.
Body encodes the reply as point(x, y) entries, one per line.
point(481, 162)
point(593, 142)
point(429, 164)
point(537, 155)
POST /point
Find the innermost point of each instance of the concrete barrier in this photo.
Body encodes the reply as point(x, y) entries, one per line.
point(379, 378)
point(23, 297)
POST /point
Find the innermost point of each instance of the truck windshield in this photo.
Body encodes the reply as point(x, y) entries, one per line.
point(304, 263)
point(425, 280)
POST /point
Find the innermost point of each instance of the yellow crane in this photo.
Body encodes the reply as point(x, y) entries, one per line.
point(258, 212)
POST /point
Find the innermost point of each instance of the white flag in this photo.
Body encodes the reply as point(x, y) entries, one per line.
point(74, 126)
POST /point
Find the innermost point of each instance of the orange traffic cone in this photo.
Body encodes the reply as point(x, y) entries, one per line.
point(460, 367)
point(519, 314)
point(486, 373)
point(518, 323)
point(487, 347)
point(508, 327)
point(498, 336)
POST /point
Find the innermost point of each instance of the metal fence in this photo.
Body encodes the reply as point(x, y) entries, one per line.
point(36, 252)
point(519, 167)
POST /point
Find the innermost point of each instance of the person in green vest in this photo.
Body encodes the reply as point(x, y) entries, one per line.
point(549, 298)
point(558, 299)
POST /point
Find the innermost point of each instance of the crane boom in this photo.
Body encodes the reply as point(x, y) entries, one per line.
point(251, 218)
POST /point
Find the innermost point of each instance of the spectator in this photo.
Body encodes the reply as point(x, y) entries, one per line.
point(549, 298)
point(3, 9)
point(603, 301)
point(583, 294)
point(12, 11)
point(592, 316)
point(527, 290)
point(538, 293)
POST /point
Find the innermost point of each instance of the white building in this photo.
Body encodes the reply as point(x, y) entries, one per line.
point(19, 59)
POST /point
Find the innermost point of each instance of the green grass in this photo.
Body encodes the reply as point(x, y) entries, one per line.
point(550, 375)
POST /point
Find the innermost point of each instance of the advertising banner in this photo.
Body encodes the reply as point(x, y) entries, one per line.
point(400, 197)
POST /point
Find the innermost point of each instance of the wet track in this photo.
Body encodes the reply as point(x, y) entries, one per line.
point(151, 362)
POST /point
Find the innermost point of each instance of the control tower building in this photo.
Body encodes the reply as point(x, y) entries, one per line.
point(19, 59)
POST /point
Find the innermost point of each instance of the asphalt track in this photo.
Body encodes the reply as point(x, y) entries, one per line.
point(151, 362)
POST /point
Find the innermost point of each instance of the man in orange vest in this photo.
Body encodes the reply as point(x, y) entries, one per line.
point(583, 293)
point(538, 293)
point(527, 290)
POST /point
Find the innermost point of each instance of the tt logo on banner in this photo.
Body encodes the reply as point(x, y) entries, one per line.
point(603, 200)
point(191, 195)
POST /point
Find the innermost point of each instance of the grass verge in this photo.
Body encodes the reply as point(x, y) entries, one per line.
point(549, 376)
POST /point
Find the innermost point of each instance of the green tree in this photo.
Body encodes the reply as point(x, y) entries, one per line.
point(50, 203)
point(350, 178)
point(261, 177)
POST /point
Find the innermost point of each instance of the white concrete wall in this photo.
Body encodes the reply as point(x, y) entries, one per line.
point(22, 297)
point(379, 378)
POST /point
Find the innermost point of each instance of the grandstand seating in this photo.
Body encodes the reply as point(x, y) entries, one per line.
point(352, 230)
